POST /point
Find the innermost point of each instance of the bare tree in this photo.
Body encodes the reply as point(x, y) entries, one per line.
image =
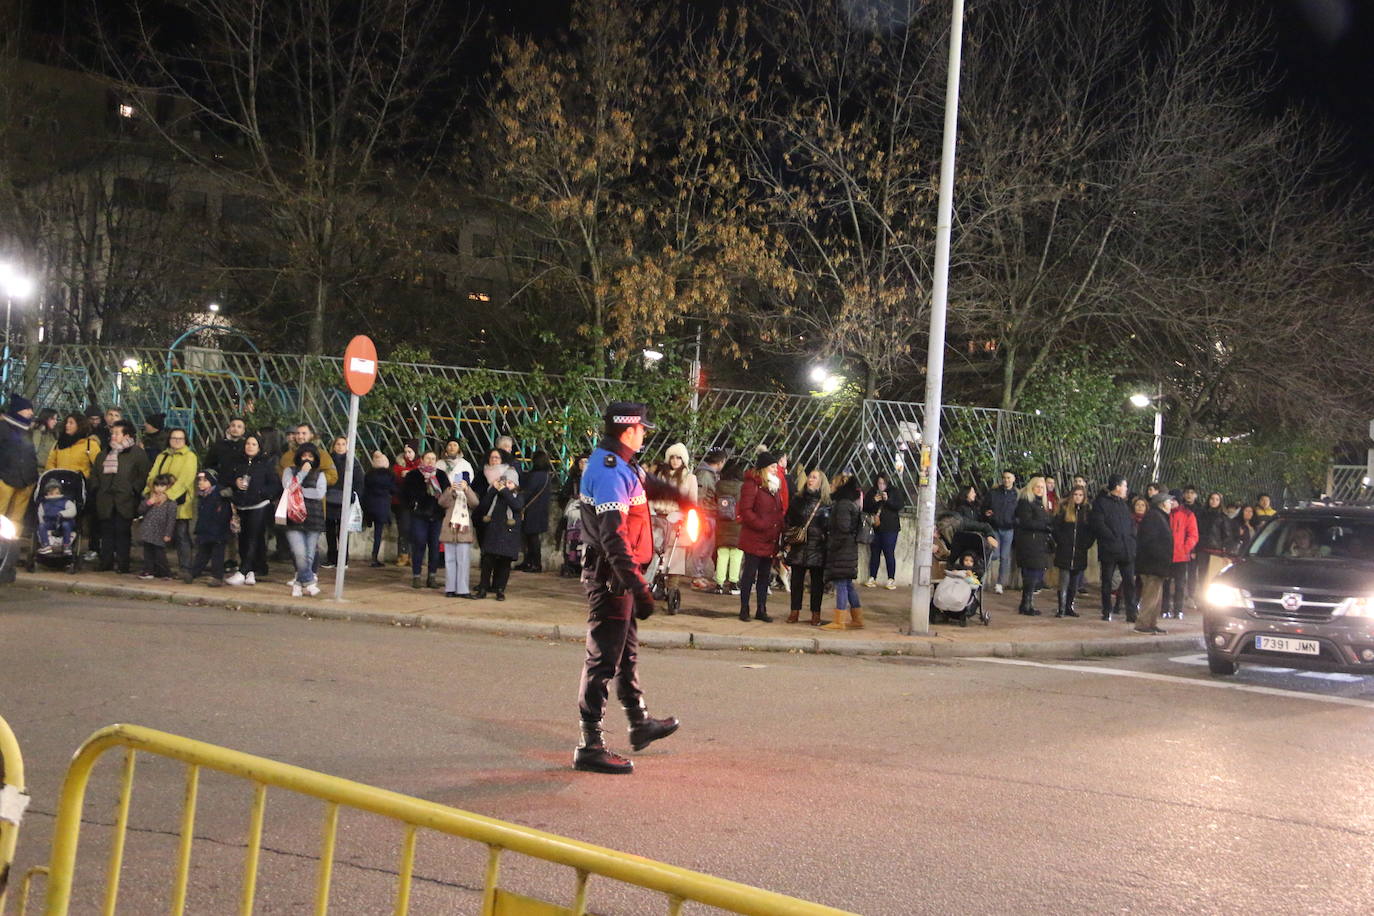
point(310, 107)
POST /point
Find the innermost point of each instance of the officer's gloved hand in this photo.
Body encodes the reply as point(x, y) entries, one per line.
point(644, 602)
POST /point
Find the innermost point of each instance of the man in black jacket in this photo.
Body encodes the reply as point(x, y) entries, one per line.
point(227, 453)
point(1155, 559)
point(117, 481)
point(1001, 515)
point(1114, 530)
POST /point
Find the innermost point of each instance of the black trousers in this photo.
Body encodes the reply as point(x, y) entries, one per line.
point(1127, 595)
point(799, 577)
point(212, 555)
point(331, 531)
point(612, 652)
point(155, 561)
point(115, 542)
point(1176, 587)
point(495, 573)
point(533, 557)
point(253, 540)
point(754, 572)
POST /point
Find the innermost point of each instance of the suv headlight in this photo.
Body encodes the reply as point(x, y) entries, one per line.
point(1355, 607)
point(7, 530)
point(1228, 596)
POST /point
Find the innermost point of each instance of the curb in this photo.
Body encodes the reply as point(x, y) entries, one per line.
point(656, 639)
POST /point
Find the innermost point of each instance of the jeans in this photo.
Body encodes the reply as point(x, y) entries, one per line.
point(303, 544)
point(1003, 556)
point(754, 574)
point(253, 540)
point(884, 546)
point(181, 537)
point(424, 535)
point(846, 595)
point(799, 577)
point(1070, 580)
point(60, 531)
point(729, 562)
point(115, 542)
point(457, 562)
point(1127, 594)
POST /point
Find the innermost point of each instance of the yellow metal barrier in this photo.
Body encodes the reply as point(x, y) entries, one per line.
point(677, 885)
point(13, 800)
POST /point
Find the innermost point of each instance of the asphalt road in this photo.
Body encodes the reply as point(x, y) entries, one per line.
point(880, 786)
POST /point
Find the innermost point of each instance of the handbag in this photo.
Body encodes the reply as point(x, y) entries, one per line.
point(796, 535)
point(865, 528)
point(295, 507)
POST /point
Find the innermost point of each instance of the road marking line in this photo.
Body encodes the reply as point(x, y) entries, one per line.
point(1338, 676)
point(1189, 681)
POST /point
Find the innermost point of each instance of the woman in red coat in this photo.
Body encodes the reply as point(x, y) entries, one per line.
point(760, 513)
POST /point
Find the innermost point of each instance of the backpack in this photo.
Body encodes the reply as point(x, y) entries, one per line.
point(725, 508)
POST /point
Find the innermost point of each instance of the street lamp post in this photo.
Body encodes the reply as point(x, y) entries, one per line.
point(935, 350)
point(16, 286)
point(1144, 400)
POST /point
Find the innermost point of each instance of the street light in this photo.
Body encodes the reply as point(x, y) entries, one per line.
point(1142, 400)
point(214, 306)
point(653, 356)
point(15, 286)
point(819, 374)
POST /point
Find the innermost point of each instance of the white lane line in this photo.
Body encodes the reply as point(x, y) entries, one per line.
point(1186, 681)
point(1337, 676)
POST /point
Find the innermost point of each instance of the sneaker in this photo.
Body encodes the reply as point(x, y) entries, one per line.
point(89, 556)
point(734, 590)
point(376, 564)
point(295, 589)
point(891, 584)
point(312, 589)
point(146, 576)
point(293, 581)
point(237, 578)
point(250, 579)
point(327, 565)
point(997, 588)
point(871, 583)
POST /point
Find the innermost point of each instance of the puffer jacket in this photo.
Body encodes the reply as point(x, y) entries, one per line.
point(313, 487)
point(842, 539)
point(501, 536)
point(212, 517)
point(264, 483)
point(810, 554)
point(727, 530)
point(182, 464)
point(77, 454)
point(18, 459)
point(1072, 541)
point(1113, 528)
point(760, 516)
point(1034, 525)
point(1183, 525)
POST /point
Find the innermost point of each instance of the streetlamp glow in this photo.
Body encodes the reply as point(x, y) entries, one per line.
point(214, 306)
point(14, 285)
point(653, 356)
point(1140, 400)
point(819, 374)
point(131, 364)
point(17, 286)
point(832, 384)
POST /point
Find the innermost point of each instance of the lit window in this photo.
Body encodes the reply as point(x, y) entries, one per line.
point(126, 110)
point(478, 296)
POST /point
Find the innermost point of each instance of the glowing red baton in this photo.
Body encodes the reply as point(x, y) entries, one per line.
point(691, 526)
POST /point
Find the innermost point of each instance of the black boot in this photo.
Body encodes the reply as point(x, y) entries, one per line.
point(430, 582)
point(1026, 608)
point(1059, 603)
point(644, 729)
point(1069, 610)
point(591, 754)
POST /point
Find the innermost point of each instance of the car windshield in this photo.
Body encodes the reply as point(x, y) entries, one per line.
point(1317, 539)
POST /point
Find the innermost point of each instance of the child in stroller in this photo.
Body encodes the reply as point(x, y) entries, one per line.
point(571, 530)
point(57, 521)
point(959, 595)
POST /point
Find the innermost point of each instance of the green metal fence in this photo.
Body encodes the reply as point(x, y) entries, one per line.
point(200, 388)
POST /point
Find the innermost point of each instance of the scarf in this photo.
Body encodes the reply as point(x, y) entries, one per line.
point(111, 465)
point(493, 472)
point(772, 482)
point(67, 441)
point(431, 480)
point(460, 518)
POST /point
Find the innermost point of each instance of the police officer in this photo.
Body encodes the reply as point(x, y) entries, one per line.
point(619, 539)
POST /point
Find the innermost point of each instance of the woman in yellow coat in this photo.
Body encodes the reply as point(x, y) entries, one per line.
point(76, 449)
point(178, 460)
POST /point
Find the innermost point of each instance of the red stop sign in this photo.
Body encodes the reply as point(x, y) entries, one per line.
point(360, 365)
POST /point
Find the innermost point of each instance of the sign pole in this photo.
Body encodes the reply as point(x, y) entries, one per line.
point(347, 514)
point(360, 374)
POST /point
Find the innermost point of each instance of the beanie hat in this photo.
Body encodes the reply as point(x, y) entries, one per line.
point(764, 459)
point(156, 420)
point(17, 403)
point(94, 411)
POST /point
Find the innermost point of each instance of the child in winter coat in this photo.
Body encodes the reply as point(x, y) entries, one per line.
point(214, 516)
point(158, 516)
point(58, 516)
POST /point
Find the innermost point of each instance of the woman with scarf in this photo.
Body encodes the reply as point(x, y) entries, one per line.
point(254, 488)
point(76, 448)
point(537, 491)
point(499, 512)
point(304, 536)
point(457, 534)
point(808, 521)
point(667, 514)
point(407, 461)
point(420, 491)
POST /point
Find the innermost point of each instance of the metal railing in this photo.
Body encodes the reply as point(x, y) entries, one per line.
point(199, 389)
point(676, 886)
point(13, 801)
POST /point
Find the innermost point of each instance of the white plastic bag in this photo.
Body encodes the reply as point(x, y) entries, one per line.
point(355, 515)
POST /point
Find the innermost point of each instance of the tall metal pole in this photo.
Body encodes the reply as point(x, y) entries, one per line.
point(1159, 432)
point(5, 381)
point(935, 351)
point(347, 512)
point(696, 373)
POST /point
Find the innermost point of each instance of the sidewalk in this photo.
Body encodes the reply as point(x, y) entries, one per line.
point(546, 607)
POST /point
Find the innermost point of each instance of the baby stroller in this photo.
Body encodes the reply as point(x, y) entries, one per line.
point(73, 486)
point(665, 539)
point(959, 595)
point(571, 539)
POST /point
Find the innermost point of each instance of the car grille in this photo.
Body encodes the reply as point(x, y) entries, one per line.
point(1315, 605)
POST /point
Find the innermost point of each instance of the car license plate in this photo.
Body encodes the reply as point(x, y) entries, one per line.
point(1283, 644)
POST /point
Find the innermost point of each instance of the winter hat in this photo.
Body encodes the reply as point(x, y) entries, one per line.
point(511, 475)
point(210, 474)
point(764, 459)
point(677, 448)
point(94, 411)
point(1161, 498)
point(156, 420)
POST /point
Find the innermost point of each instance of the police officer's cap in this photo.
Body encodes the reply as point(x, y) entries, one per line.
point(628, 413)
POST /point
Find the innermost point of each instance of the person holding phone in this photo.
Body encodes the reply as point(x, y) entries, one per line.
point(457, 534)
point(304, 535)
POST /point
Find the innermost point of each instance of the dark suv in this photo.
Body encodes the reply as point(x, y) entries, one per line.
point(1302, 597)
